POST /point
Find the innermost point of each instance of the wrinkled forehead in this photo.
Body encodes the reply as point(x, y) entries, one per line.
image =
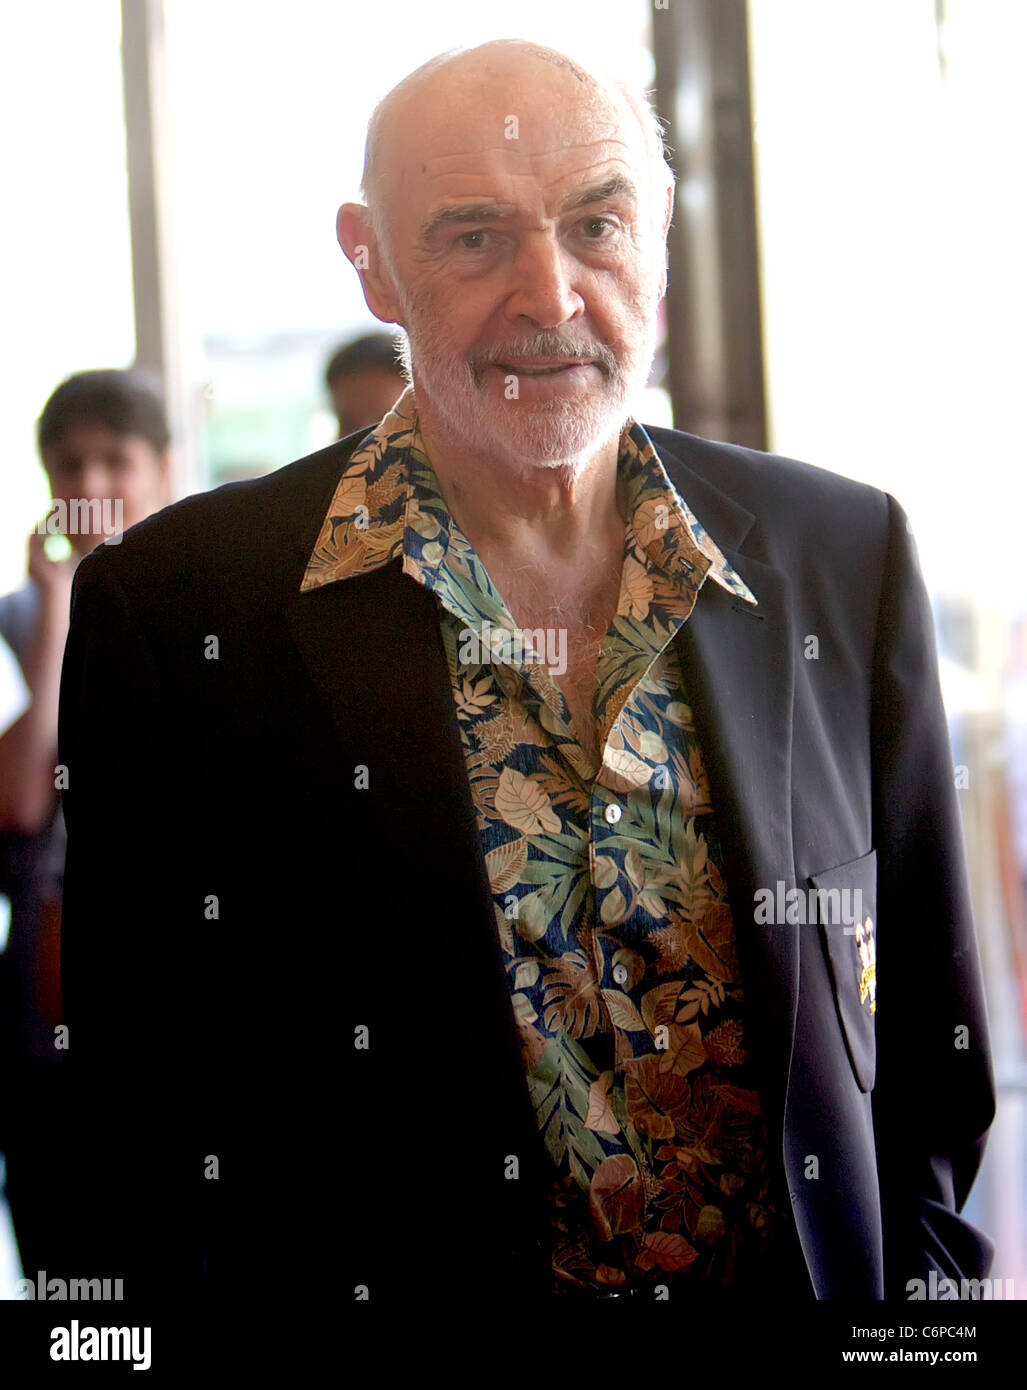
point(519, 138)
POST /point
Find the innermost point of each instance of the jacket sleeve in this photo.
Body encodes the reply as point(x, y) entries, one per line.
point(126, 925)
point(934, 1099)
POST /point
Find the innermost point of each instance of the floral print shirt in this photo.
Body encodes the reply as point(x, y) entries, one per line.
point(609, 899)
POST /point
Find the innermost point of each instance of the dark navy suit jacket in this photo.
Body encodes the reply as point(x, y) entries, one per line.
point(236, 906)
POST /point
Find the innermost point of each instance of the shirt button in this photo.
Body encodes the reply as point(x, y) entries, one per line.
point(620, 973)
point(612, 815)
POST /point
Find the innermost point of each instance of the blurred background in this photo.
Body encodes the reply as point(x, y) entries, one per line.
point(847, 286)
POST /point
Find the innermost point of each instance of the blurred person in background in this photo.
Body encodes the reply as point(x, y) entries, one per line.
point(104, 443)
point(365, 379)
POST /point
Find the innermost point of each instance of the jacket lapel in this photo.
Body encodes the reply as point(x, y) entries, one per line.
point(373, 648)
point(738, 667)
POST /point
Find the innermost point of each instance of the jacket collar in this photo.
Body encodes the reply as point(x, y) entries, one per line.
point(388, 500)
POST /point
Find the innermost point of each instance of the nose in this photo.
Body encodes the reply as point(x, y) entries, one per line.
point(95, 479)
point(543, 291)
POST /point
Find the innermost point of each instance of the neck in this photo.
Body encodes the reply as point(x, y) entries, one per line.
point(559, 511)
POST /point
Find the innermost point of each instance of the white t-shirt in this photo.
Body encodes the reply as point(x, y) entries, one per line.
point(15, 696)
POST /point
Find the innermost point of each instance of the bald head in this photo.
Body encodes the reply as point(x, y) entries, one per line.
point(525, 84)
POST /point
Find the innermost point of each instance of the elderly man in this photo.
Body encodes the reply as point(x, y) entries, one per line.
point(486, 830)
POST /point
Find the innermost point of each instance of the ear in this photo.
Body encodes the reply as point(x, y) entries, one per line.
point(358, 241)
point(668, 213)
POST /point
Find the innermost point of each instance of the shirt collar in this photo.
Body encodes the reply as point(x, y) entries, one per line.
point(388, 504)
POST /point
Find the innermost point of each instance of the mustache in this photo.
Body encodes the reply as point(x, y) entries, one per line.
point(544, 345)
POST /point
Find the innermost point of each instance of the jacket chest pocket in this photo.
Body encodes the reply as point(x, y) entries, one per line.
point(847, 923)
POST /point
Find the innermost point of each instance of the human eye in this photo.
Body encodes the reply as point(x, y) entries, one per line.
point(598, 228)
point(476, 240)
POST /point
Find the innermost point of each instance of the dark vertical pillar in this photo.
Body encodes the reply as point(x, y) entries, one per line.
point(715, 341)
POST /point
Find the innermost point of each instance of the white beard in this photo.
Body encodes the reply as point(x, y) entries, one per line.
point(554, 433)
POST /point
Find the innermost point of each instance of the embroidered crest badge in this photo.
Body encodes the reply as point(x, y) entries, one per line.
point(867, 953)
